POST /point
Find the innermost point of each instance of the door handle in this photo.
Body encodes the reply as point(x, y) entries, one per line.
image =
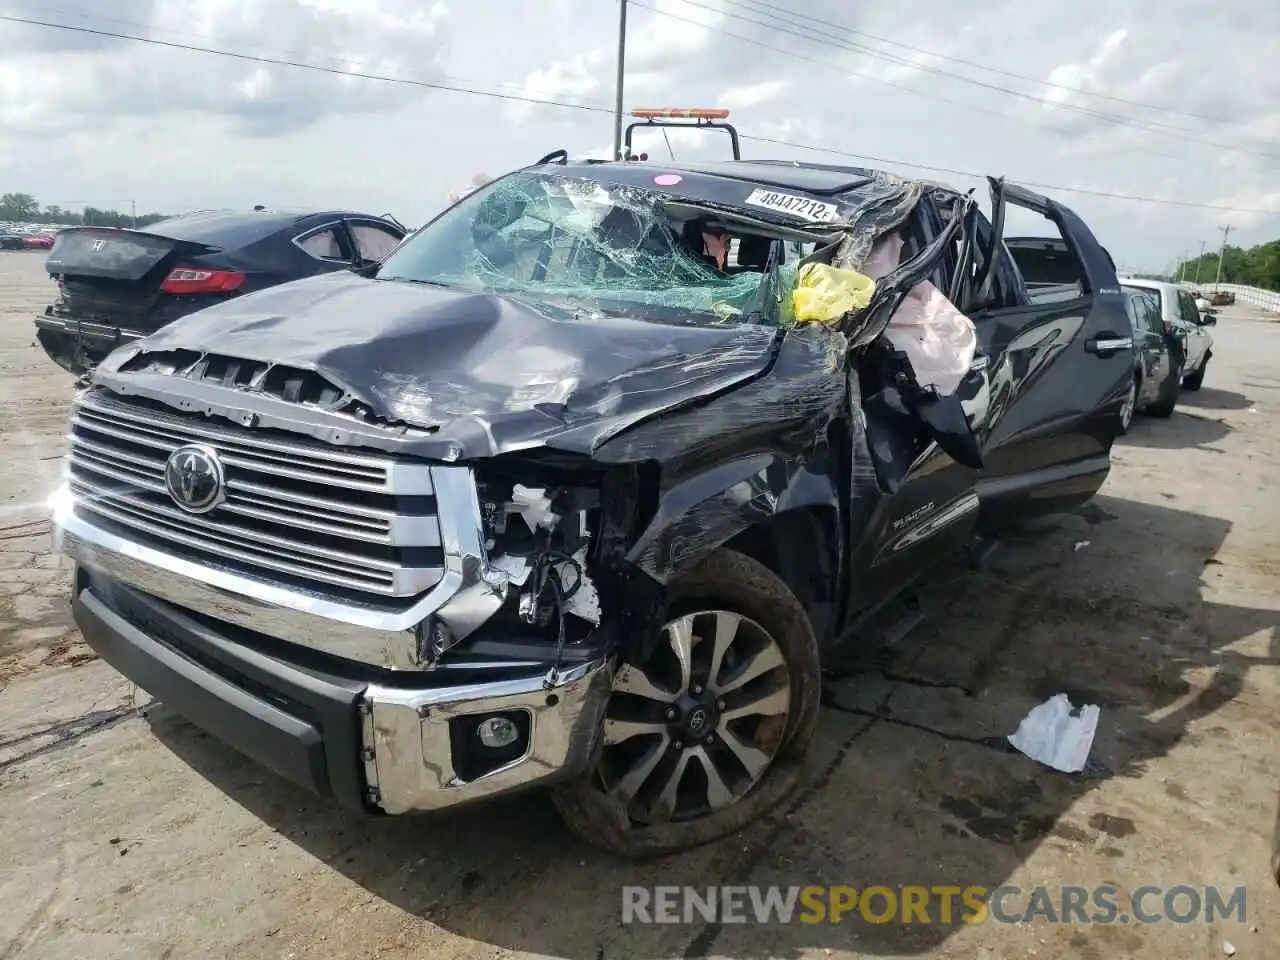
point(1108, 344)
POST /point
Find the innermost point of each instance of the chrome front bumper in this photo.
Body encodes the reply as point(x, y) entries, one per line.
point(408, 756)
point(135, 606)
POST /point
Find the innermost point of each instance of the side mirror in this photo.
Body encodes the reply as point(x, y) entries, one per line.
point(1208, 319)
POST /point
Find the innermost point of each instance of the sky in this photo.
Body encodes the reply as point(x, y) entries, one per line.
point(1177, 103)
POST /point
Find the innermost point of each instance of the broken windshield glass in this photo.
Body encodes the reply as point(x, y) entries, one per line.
point(595, 248)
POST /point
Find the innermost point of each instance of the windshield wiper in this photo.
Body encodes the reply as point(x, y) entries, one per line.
point(425, 283)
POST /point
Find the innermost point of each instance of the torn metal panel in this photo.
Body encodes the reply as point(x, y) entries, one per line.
point(887, 201)
point(711, 508)
point(805, 389)
point(701, 508)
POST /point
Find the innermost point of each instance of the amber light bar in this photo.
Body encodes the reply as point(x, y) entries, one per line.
point(680, 113)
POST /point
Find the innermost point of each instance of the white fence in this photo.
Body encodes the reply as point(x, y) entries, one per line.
point(1255, 296)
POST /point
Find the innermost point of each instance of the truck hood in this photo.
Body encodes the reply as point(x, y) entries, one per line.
point(475, 374)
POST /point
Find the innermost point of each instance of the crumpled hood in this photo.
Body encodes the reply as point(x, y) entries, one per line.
point(484, 373)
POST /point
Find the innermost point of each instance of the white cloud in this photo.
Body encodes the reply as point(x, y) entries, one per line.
point(1086, 77)
point(112, 120)
point(752, 96)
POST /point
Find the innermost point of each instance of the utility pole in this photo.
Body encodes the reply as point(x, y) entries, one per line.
point(1182, 267)
point(1199, 261)
point(133, 205)
point(1226, 232)
point(622, 61)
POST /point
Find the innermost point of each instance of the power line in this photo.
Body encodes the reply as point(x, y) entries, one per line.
point(357, 64)
point(812, 36)
point(950, 75)
point(844, 71)
point(972, 63)
point(1025, 183)
point(590, 108)
point(1152, 126)
point(300, 65)
point(462, 86)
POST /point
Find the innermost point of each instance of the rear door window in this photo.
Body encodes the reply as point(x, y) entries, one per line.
point(373, 243)
point(322, 244)
point(1134, 308)
point(1151, 313)
point(1190, 313)
point(1152, 297)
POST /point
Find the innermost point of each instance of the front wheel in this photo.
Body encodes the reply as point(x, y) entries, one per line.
point(709, 731)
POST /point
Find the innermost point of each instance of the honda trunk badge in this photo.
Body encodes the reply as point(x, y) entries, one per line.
point(194, 478)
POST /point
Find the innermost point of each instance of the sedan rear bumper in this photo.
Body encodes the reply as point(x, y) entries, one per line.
point(80, 345)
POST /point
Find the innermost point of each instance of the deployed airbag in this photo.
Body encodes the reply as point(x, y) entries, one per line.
point(824, 294)
point(937, 338)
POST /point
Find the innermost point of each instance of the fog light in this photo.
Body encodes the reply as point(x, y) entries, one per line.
point(497, 732)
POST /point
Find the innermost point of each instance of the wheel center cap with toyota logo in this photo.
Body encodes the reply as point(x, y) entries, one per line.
point(698, 721)
point(194, 478)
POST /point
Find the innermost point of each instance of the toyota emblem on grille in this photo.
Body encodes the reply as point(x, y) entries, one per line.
point(194, 478)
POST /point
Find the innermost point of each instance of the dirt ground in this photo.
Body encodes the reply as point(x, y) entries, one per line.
point(129, 834)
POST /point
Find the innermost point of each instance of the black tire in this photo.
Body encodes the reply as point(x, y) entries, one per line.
point(733, 582)
point(1168, 400)
point(1196, 380)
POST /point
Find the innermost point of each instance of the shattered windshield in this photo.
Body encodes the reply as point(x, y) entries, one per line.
point(592, 248)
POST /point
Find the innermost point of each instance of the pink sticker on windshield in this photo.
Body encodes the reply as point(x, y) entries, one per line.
point(667, 179)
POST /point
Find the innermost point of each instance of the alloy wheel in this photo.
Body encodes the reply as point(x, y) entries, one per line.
point(1129, 405)
point(694, 727)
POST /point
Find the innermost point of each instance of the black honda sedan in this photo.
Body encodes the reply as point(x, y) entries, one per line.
point(117, 285)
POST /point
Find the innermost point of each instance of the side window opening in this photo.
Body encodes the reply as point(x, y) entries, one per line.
point(1008, 289)
point(1147, 305)
point(373, 244)
point(1049, 267)
point(1134, 307)
point(323, 244)
point(1190, 313)
point(1157, 298)
point(1154, 322)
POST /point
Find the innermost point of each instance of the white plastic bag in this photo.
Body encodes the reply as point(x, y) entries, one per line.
point(1049, 734)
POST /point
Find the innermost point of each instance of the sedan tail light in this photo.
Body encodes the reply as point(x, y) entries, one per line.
point(192, 280)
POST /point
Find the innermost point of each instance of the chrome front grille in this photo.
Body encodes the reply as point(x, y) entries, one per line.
point(294, 512)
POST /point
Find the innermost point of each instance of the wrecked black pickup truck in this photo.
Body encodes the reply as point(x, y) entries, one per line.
point(586, 485)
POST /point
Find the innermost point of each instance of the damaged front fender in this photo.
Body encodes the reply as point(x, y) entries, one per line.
point(711, 508)
point(742, 458)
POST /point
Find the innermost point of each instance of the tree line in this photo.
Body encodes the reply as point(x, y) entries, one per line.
point(23, 208)
point(1255, 267)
